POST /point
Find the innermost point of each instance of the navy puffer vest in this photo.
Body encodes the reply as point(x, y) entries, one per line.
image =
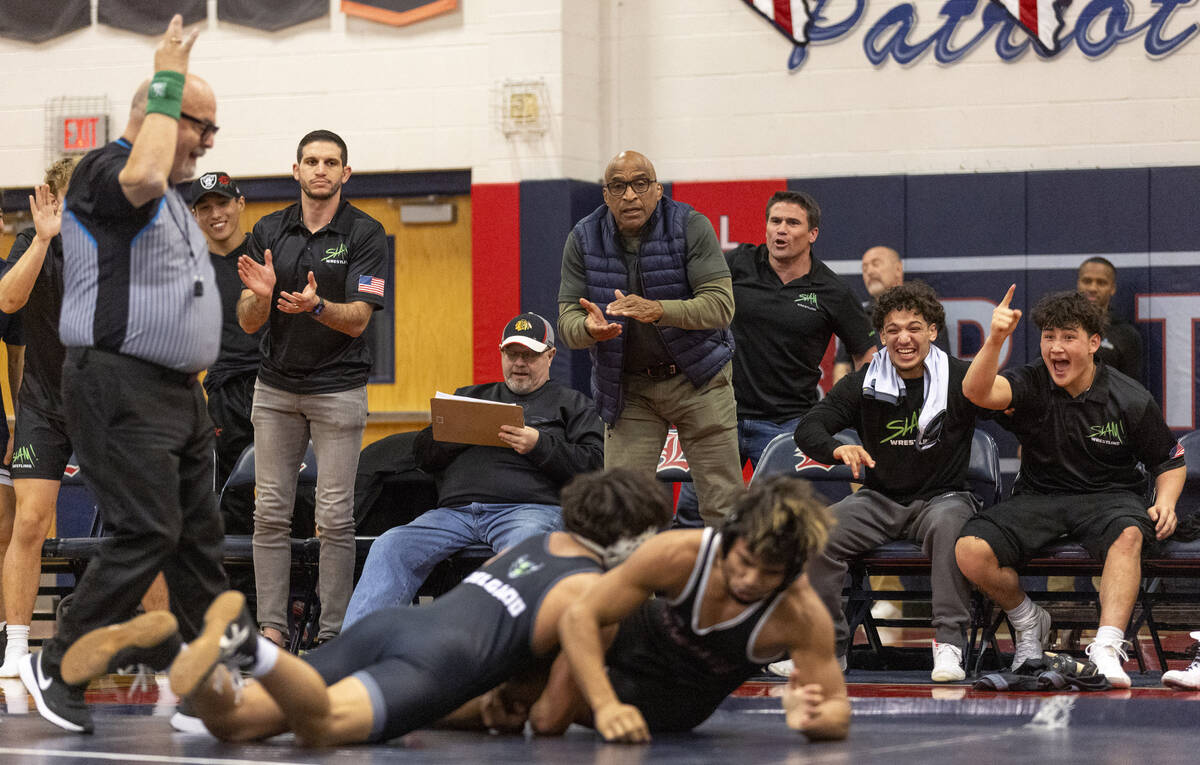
point(700, 353)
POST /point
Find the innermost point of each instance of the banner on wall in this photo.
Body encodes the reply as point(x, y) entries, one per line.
point(397, 12)
point(1012, 27)
point(36, 21)
point(271, 15)
point(149, 17)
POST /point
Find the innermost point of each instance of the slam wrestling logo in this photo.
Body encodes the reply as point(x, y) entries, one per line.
point(1018, 26)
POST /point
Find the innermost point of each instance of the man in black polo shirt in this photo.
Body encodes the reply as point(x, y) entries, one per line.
point(1084, 428)
point(217, 204)
point(1121, 345)
point(139, 321)
point(789, 304)
point(314, 276)
point(916, 429)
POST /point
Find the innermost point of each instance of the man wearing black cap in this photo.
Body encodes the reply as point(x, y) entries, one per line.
point(491, 495)
point(217, 204)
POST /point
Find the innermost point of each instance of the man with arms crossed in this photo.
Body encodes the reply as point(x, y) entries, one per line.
point(1084, 428)
point(726, 603)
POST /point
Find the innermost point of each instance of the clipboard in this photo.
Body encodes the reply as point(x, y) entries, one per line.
point(464, 420)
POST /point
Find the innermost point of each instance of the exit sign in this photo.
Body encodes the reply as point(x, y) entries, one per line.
point(81, 134)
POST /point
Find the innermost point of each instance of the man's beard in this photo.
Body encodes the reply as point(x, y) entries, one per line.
point(321, 197)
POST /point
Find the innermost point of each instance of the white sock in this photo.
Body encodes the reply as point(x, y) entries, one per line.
point(1022, 616)
point(266, 655)
point(1109, 635)
point(18, 639)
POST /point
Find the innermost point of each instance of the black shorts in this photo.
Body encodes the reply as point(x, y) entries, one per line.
point(41, 447)
point(1017, 528)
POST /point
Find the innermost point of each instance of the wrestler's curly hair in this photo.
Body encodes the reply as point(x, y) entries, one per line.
point(1067, 310)
point(607, 505)
point(782, 522)
point(915, 296)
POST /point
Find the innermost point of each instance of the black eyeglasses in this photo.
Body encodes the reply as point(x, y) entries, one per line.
point(640, 186)
point(207, 129)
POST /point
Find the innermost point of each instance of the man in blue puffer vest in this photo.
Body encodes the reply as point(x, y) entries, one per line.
point(646, 289)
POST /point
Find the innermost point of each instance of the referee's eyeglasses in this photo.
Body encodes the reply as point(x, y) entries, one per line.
point(207, 129)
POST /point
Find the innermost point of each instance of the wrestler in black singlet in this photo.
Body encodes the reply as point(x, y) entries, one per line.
point(421, 663)
point(673, 671)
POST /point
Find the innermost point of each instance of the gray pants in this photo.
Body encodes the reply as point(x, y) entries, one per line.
point(283, 424)
point(867, 519)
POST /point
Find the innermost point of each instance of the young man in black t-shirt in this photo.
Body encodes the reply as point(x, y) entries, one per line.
point(1084, 429)
point(916, 433)
point(217, 204)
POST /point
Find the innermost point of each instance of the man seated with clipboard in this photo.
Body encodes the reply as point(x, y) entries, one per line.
point(502, 468)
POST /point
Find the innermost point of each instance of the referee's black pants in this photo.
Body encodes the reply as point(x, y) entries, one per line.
point(144, 443)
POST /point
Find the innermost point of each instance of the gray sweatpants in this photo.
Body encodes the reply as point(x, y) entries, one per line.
point(867, 519)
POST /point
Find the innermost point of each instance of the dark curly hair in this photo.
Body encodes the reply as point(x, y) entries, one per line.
point(915, 296)
point(781, 521)
point(607, 505)
point(1067, 310)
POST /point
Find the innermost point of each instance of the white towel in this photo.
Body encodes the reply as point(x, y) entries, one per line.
point(883, 383)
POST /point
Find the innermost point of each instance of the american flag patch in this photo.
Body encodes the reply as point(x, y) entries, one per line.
point(1178, 450)
point(371, 284)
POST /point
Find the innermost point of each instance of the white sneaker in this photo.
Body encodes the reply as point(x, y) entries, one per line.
point(784, 668)
point(1185, 679)
point(1031, 643)
point(1107, 656)
point(947, 663)
point(12, 662)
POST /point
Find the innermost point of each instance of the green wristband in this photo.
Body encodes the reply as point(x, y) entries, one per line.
point(166, 94)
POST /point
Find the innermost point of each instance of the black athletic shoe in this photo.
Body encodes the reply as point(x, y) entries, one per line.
point(151, 639)
point(56, 701)
point(229, 637)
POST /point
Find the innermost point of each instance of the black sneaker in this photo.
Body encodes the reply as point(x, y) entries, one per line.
point(56, 701)
point(229, 637)
point(151, 639)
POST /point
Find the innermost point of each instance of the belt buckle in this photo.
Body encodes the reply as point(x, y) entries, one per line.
point(661, 372)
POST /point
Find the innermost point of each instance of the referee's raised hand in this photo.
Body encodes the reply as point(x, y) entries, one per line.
point(174, 47)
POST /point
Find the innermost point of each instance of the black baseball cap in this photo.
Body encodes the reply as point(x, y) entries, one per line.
point(214, 183)
point(529, 330)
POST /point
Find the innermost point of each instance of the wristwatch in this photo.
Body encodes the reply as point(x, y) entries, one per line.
point(319, 307)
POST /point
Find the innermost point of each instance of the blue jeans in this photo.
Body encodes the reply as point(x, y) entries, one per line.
point(401, 558)
point(753, 437)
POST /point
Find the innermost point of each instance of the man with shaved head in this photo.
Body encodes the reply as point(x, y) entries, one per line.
point(882, 269)
point(141, 316)
point(646, 289)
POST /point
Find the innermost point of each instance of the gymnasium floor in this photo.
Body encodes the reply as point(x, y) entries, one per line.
point(897, 722)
